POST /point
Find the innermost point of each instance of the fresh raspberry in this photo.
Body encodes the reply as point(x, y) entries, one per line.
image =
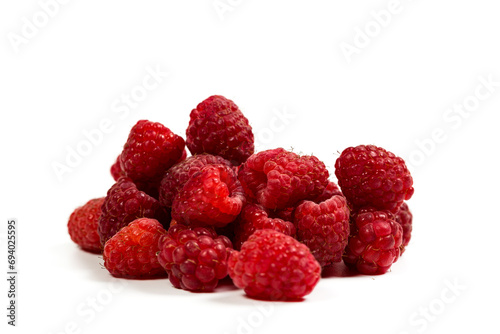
point(150, 150)
point(180, 173)
point(212, 197)
point(254, 217)
point(324, 228)
point(82, 225)
point(195, 259)
point(116, 169)
point(285, 214)
point(404, 217)
point(278, 179)
point(331, 190)
point(124, 203)
point(218, 127)
point(371, 176)
point(274, 266)
point(131, 253)
point(374, 243)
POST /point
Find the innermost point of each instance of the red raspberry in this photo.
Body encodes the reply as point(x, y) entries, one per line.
point(179, 174)
point(116, 169)
point(274, 266)
point(195, 259)
point(150, 150)
point(404, 217)
point(131, 253)
point(254, 217)
point(331, 190)
point(375, 241)
point(212, 197)
point(124, 203)
point(218, 127)
point(324, 228)
point(82, 225)
point(278, 179)
point(371, 176)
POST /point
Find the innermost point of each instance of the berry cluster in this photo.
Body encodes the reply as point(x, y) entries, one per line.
point(269, 220)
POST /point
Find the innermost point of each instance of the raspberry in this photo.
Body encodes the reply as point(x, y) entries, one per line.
point(82, 225)
point(371, 176)
point(195, 259)
point(375, 241)
point(124, 203)
point(254, 217)
point(218, 127)
point(278, 179)
point(404, 217)
point(179, 174)
point(274, 266)
point(331, 190)
point(324, 228)
point(131, 253)
point(150, 150)
point(213, 196)
point(116, 169)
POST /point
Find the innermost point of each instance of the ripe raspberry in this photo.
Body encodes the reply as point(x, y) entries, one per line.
point(82, 225)
point(274, 266)
point(180, 173)
point(131, 253)
point(254, 217)
point(150, 150)
point(124, 203)
point(218, 127)
point(371, 176)
point(195, 259)
point(212, 197)
point(116, 169)
point(331, 190)
point(324, 228)
point(404, 217)
point(375, 241)
point(278, 179)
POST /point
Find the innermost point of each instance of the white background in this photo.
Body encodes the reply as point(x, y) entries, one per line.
point(272, 58)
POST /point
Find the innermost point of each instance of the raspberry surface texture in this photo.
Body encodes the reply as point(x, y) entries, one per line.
point(324, 228)
point(150, 150)
point(82, 225)
point(405, 218)
point(211, 197)
point(125, 203)
point(331, 190)
point(254, 217)
point(371, 176)
point(274, 266)
point(195, 259)
point(217, 126)
point(278, 179)
point(131, 253)
point(116, 169)
point(374, 243)
point(175, 178)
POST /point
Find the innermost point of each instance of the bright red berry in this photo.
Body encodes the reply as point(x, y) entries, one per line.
point(195, 259)
point(331, 190)
point(324, 228)
point(123, 204)
point(218, 127)
point(131, 253)
point(116, 169)
point(371, 176)
point(254, 217)
point(274, 266)
point(278, 179)
point(404, 217)
point(175, 178)
point(375, 241)
point(211, 197)
point(82, 225)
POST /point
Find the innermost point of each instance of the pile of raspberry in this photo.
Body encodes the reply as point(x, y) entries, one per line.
point(270, 220)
